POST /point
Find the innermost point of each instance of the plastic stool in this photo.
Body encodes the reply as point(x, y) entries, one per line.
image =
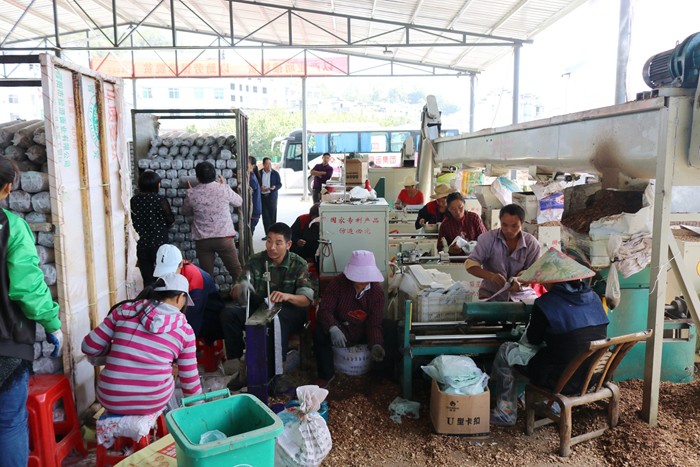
point(52, 441)
point(209, 356)
point(107, 456)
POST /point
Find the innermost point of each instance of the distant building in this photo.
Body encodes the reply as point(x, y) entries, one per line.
point(21, 103)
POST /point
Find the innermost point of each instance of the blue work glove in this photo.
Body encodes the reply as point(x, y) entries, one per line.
point(377, 353)
point(55, 338)
point(337, 337)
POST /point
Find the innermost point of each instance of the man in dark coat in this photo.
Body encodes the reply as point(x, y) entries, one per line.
point(270, 184)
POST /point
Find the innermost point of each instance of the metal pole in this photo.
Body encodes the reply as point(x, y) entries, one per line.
point(623, 51)
point(516, 80)
point(304, 148)
point(472, 104)
point(56, 33)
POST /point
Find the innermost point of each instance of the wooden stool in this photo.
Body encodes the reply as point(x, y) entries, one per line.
point(52, 441)
point(109, 456)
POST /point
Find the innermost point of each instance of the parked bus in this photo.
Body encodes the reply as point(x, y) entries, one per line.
point(381, 145)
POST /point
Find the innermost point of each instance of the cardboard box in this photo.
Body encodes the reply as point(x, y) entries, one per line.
point(548, 235)
point(472, 205)
point(355, 172)
point(460, 415)
point(528, 201)
point(486, 198)
point(491, 218)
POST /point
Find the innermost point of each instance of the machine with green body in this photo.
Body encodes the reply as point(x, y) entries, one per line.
point(677, 361)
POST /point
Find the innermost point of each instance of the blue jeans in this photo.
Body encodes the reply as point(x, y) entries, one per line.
point(14, 432)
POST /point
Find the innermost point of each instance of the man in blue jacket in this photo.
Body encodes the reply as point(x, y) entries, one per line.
point(270, 184)
point(203, 316)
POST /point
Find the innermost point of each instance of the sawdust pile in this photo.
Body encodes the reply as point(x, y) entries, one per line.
point(363, 434)
point(604, 203)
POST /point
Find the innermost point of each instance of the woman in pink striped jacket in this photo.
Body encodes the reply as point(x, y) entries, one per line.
point(140, 340)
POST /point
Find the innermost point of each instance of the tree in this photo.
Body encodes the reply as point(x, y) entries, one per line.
point(263, 127)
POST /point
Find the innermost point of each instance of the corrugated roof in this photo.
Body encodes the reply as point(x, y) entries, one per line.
point(451, 34)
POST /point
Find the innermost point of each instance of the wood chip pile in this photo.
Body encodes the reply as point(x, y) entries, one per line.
point(174, 156)
point(24, 142)
point(364, 435)
point(603, 203)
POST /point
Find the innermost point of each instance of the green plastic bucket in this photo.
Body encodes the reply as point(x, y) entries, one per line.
point(249, 425)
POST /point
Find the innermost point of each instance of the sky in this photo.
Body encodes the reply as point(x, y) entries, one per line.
point(570, 66)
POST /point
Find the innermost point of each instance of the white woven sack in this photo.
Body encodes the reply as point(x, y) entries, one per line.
point(352, 361)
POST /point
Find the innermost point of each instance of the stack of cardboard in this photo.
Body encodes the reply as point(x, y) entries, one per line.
point(355, 171)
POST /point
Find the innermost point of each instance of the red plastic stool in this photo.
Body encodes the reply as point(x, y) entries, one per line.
point(209, 356)
point(110, 457)
point(52, 441)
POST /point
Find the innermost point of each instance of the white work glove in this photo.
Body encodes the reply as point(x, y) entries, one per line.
point(55, 338)
point(337, 337)
point(377, 353)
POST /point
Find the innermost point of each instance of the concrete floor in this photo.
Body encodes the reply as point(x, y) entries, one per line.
point(289, 207)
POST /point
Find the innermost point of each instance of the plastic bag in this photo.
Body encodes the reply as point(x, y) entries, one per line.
point(458, 373)
point(503, 188)
point(612, 288)
point(211, 436)
point(361, 193)
point(505, 411)
point(306, 440)
point(404, 407)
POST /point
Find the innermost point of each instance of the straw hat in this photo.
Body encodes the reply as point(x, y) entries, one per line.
point(555, 266)
point(442, 190)
point(362, 267)
point(409, 181)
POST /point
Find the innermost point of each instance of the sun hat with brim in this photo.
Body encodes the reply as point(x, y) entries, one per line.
point(174, 282)
point(442, 190)
point(410, 180)
point(362, 267)
point(168, 258)
point(555, 266)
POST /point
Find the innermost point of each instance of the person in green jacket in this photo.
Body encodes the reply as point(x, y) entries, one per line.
point(24, 301)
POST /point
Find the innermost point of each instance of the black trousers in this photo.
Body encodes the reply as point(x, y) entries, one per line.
point(316, 195)
point(269, 211)
point(292, 319)
point(323, 348)
point(147, 261)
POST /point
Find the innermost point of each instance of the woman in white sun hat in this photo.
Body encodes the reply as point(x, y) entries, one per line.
point(352, 312)
point(410, 195)
point(563, 322)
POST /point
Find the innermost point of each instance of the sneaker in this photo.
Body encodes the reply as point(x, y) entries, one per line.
point(240, 379)
point(236, 383)
point(232, 366)
point(281, 385)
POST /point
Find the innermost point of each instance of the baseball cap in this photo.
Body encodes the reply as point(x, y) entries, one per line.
point(174, 282)
point(168, 258)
